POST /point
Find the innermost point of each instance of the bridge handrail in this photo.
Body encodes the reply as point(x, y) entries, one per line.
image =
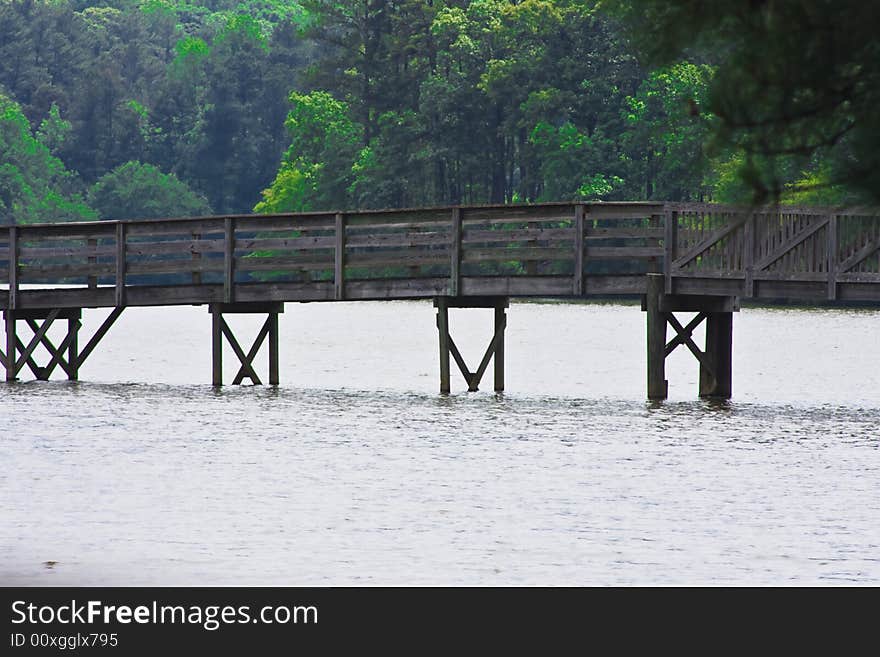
point(450, 249)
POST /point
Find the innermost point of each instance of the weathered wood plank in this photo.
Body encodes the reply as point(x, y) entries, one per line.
point(553, 235)
point(786, 246)
point(579, 237)
point(13, 279)
point(597, 234)
point(516, 285)
point(615, 285)
point(519, 214)
point(229, 260)
point(184, 228)
point(656, 338)
point(396, 259)
point(415, 288)
point(268, 223)
point(32, 272)
point(77, 251)
point(624, 252)
point(455, 262)
point(399, 240)
point(831, 247)
point(339, 259)
point(175, 266)
point(522, 222)
point(713, 238)
point(42, 232)
point(285, 263)
point(599, 211)
point(394, 228)
point(120, 264)
point(861, 254)
point(176, 247)
point(470, 255)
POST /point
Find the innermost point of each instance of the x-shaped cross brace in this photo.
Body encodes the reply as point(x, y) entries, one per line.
point(20, 354)
point(221, 331)
point(246, 360)
point(683, 336)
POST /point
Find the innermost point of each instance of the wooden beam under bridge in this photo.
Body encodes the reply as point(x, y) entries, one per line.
point(494, 352)
point(220, 330)
point(715, 361)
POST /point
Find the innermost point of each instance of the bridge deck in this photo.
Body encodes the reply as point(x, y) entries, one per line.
point(563, 250)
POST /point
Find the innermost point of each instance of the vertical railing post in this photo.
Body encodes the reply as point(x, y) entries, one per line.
point(455, 254)
point(13, 267)
point(196, 256)
point(670, 245)
point(92, 260)
point(831, 256)
point(339, 259)
point(120, 263)
point(579, 228)
point(229, 260)
point(749, 256)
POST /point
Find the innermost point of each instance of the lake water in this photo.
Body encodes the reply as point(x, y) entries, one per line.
point(356, 471)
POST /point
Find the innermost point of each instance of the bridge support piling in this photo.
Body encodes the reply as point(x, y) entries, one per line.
point(658, 386)
point(715, 361)
point(716, 379)
point(494, 352)
point(220, 330)
point(10, 354)
point(66, 355)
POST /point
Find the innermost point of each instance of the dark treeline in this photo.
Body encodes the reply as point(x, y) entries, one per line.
point(130, 108)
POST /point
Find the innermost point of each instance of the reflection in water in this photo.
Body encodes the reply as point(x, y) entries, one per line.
point(356, 471)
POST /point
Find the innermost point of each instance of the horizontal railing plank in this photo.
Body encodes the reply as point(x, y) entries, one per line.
point(623, 252)
point(516, 254)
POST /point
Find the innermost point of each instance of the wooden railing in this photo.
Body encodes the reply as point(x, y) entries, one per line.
point(564, 249)
point(774, 247)
point(381, 254)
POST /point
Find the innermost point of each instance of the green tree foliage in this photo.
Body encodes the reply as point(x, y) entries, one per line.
point(389, 103)
point(141, 191)
point(199, 90)
point(317, 168)
point(471, 101)
point(35, 187)
point(797, 85)
point(667, 126)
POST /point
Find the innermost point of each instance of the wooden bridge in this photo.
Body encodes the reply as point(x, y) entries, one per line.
point(679, 257)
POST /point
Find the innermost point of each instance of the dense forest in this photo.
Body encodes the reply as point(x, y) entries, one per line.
point(148, 108)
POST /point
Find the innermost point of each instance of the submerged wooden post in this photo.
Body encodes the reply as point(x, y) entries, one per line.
point(658, 387)
point(719, 349)
point(216, 349)
point(443, 330)
point(73, 325)
point(500, 325)
point(11, 351)
point(273, 349)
